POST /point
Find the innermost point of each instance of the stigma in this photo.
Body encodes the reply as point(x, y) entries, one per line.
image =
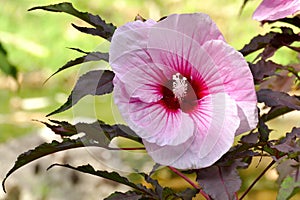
point(180, 86)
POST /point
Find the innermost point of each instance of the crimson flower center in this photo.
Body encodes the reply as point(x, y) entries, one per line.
point(180, 93)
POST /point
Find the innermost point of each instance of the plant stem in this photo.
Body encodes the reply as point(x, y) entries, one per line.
point(190, 182)
point(257, 179)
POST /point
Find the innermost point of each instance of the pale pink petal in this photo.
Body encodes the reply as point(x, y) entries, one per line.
point(216, 120)
point(144, 82)
point(184, 55)
point(197, 26)
point(128, 45)
point(276, 9)
point(152, 121)
point(237, 81)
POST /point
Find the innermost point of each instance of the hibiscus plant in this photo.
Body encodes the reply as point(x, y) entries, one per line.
point(184, 95)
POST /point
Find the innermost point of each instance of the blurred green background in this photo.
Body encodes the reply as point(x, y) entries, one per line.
point(37, 43)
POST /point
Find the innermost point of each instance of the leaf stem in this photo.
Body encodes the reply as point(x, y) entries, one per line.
point(257, 179)
point(190, 182)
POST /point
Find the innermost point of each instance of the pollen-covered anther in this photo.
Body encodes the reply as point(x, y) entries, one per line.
point(180, 86)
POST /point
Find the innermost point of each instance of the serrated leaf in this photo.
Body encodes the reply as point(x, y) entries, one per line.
point(290, 143)
point(275, 98)
point(257, 43)
point(288, 167)
point(220, 183)
point(275, 112)
point(250, 138)
point(271, 42)
point(97, 130)
point(287, 188)
point(294, 21)
point(285, 38)
point(107, 30)
point(91, 31)
point(5, 65)
point(97, 82)
point(188, 194)
point(130, 195)
point(44, 150)
point(97, 134)
point(113, 176)
point(263, 131)
point(263, 69)
point(64, 129)
point(91, 56)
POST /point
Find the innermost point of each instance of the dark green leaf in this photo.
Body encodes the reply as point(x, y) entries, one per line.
point(130, 195)
point(275, 98)
point(287, 188)
point(92, 56)
point(97, 82)
point(275, 112)
point(263, 131)
point(107, 30)
point(188, 194)
point(113, 176)
point(219, 182)
point(5, 65)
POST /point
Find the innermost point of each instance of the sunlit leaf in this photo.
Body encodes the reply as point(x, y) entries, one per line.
point(220, 183)
point(287, 188)
point(102, 27)
point(97, 82)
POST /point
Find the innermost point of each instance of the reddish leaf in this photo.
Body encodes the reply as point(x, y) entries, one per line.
point(290, 143)
point(97, 82)
point(263, 69)
point(106, 30)
point(220, 183)
point(274, 98)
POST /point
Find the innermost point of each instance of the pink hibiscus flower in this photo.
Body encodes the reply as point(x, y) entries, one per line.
point(270, 10)
point(182, 89)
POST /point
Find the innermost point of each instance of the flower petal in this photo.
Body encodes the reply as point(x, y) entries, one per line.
point(216, 122)
point(151, 121)
point(237, 81)
point(127, 45)
point(276, 9)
